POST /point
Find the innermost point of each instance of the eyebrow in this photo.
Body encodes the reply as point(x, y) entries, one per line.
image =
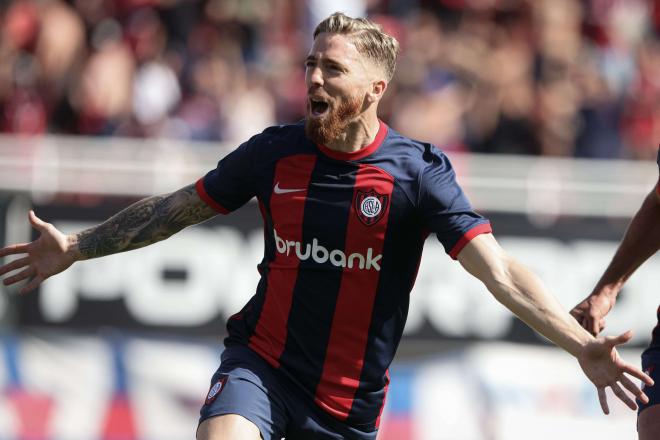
point(326, 60)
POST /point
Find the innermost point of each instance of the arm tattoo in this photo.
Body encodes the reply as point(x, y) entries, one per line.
point(145, 222)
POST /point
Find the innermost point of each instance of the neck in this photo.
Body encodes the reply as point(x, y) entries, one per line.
point(358, 134)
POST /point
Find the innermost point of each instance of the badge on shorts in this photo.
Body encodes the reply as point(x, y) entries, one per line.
point(216, 389)
point(648, 371)
point(370, 206)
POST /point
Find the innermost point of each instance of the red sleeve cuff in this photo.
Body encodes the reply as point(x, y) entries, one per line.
point(201, 191)
point(483, 228)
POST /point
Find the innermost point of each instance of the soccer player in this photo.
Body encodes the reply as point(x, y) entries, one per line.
point(641, 240)
point(347, 204)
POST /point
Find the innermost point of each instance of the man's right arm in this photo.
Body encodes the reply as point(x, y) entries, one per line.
point(145, 222)
point(641, 240)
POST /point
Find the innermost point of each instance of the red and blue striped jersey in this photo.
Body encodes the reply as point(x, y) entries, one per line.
point(343, 240)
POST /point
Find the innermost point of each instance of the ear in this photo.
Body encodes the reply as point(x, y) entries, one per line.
point(376, 91)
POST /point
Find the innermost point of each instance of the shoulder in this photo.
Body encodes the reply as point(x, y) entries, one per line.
point(275, 142)
point(275, 133)
point(414, 154)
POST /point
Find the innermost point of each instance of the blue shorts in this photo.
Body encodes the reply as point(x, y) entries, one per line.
point(651, 366)
point(247, 385)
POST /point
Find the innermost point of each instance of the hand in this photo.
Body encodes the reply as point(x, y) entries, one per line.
point(46, 256)
point(591, 312)
point(601, 363)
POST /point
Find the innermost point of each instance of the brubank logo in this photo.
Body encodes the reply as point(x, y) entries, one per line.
point(320, 254)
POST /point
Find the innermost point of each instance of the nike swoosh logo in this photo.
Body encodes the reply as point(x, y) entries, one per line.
point(278, 190)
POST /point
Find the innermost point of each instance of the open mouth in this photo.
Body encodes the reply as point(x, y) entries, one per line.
point(318, 107)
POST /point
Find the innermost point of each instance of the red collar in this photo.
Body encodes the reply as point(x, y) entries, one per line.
point(362, 152)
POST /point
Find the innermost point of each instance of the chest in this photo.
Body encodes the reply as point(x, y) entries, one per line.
point(331, 201)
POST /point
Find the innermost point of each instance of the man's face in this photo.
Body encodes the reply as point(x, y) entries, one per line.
point(338, 79)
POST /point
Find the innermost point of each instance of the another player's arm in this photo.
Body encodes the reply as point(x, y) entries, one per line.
point(641, 240)
point(522, 292)
point(145, 222)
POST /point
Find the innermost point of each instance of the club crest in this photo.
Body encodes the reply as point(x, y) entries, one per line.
point(216, 389)
point(648, 371)
point(370, 206)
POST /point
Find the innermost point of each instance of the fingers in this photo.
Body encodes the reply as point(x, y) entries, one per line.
point(33, 284)
point(20, 248)
point(636, 372)
point(26, 273)
point(621, 394)
point(17, 264)
point(593, 326)
point(602, 398)
point(621, 339)
point(576, 313)
point(630, 386)
point(618, 392)
point(36, 222)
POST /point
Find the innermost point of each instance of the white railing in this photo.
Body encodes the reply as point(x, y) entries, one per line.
point(547, 187)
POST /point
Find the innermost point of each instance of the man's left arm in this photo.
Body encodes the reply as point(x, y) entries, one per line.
point(522, 292)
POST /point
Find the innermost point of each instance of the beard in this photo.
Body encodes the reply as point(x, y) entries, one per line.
point(331, 126)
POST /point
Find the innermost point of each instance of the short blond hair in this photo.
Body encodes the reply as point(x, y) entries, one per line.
point(368, 37)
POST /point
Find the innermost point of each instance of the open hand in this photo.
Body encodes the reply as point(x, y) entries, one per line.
point(601, 363)
point(46, 256)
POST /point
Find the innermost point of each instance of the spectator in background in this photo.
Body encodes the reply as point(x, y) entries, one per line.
point(551, 77)
point(428, 87)
point(23, 109)
point(641, 121)
point(103, 99)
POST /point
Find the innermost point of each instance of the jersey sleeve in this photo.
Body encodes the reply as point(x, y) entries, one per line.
point(444, 207)
point(231, 184)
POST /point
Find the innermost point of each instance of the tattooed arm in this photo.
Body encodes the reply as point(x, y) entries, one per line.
point(143, 223)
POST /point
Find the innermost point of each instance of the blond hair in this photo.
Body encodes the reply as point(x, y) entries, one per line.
point(368, 37)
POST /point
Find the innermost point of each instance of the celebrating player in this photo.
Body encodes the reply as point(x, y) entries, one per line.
point(347, 203)
point(641, 240)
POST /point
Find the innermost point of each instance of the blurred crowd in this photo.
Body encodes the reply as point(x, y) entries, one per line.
point(553, 77)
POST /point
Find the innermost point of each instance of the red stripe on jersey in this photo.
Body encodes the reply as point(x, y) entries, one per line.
point(287, 206)
point(483, 228)
point(201, 192)
point(352, 318)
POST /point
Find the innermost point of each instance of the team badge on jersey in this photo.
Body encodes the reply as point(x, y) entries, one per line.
point(216, 389)
point(370, 206)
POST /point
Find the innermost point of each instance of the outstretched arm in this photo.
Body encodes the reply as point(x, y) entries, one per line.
point(145, 222)
point(641, 240)
point(523, 293)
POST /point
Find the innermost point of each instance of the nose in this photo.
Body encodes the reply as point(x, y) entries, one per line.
point(315, 76)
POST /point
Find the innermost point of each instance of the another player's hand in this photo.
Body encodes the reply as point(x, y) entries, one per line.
point(591, 312)
point(601, 363)
point(45, 256)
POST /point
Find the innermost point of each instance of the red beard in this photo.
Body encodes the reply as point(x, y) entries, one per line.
point(333, 125)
